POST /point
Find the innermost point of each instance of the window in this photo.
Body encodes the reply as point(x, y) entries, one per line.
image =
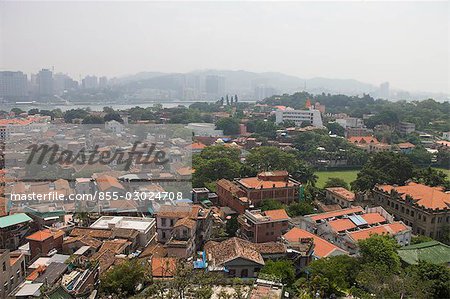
point(4, 266)
point(432, 220)
point(163, 235)
point(163, 221)
point(412, 213)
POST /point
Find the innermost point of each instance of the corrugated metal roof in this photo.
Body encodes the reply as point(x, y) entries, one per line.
point(13, 220)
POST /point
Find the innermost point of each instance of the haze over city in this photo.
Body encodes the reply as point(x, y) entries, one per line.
point(406, 44)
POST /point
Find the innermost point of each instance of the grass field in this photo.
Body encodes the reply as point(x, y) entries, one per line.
point(347, 175)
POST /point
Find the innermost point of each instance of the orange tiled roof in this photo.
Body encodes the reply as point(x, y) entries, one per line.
point(277, 214)
point(372, 218)
point(405, 145)
point(322, 248)
point(425, 196)
point(197, 146)
point(256, 183)
point(340, 225)
point(39, 236)
point(45, 234)
point(363, 139)
point(185, 171)
point(337, 213)
point(342, 192)
point(164, 266)
point(105, 182)
point(386, 229)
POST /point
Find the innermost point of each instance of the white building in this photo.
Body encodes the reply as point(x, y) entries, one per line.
point(114, 126)
point(446, 136)
point(310, 117)
point(350, 122)
point(145, 226)
point(204, 129)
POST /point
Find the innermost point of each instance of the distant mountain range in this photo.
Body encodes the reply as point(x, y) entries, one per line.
point(249, 85)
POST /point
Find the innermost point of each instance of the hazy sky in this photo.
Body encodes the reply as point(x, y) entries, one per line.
point(405, 43)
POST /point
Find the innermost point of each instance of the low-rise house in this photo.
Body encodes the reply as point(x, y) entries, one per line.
point(426, 209)
point(163, 267)
point(183, 228)
point(257, 226)
point(241, 258)
point(45, 241)
point(340, 196)
point(347, 226)
point(246, 193)
point(370, 144)
point(109, 184)
point(12, 271)
point(322, 248)
point(405, 147)
point(13, 229)
point(139, 230)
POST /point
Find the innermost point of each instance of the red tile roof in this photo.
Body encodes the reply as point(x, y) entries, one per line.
point(340, 225)
point(372, 218)
point(316, 217)
point(322, 248)
point(363, 139)
point(44, 235)
point(386, 229)
point(277, 214)
point(256, 183)
point(164, 267)
point(342, 192)
point(426, 196)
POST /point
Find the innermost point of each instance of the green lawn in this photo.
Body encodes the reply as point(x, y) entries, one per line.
point(347, 175)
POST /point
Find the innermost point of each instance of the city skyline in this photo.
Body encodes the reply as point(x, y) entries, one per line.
point(403, 43)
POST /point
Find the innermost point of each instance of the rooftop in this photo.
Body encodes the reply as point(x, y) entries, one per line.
point(164, 267)
point(138, 223)
point(386, 229)
point(338, 213)
point(14, 220)
point(322, 248)
point(425, 196)
point(342, 192)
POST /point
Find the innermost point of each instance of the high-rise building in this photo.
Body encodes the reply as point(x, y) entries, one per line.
point(13, 85)
point(102, 82)
point(90, 82)
point(384, 91)
point(262, 91)
point(45, 82)
point(63, 82)
point(214, 85)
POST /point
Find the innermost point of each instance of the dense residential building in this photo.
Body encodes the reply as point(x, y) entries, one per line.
point(258, 227)
point(350, 122)
point(13, 85)
point(426, 209)
point(13, 229)
point(299, 117)
point(406, 128)
point(241, 258)
point(90, 82)
point(245, 193)
point(346, 227)
point(340, 196)
point(12, 271)
point(45, 241)
point(141, 228)
point(183, 228)
point(322, 248)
